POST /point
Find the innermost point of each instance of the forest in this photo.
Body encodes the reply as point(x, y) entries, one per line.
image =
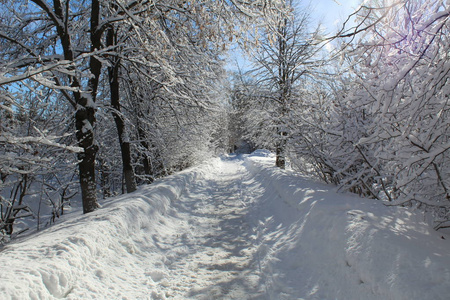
point(98, 97)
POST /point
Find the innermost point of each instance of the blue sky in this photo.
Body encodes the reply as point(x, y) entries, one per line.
point(330, 13)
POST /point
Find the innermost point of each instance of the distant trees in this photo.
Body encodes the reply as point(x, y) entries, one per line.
point(285, 57)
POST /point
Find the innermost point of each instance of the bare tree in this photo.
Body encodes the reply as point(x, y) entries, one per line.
point(285, 56)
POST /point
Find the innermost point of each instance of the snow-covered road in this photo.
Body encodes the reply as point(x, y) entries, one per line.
point(211, 251)
point(233, 228)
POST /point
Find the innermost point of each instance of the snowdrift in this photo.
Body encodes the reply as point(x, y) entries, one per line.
point(309, 242)
point(93, 254)
point(331, 245)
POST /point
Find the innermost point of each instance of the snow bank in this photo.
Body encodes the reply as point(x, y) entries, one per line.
point(95, 255)
point(320, 244)
point(232, 229)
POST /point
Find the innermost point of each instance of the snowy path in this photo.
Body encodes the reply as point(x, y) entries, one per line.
point(213, 253)
point(232, 228)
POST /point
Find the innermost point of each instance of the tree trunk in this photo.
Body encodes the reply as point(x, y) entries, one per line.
point(282, 135)
point(104, 174)
point(84, 120)
point(84, 101)
point(146, 160)
point(280, 161)
point(113, 73)
point(125, 149)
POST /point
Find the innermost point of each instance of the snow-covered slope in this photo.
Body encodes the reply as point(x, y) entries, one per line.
point(233, 228)
point(328, 245)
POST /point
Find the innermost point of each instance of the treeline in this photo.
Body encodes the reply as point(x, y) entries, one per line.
point(366, 109)
point(97, 96)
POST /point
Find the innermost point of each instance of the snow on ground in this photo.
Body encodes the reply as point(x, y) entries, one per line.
point(233, 228)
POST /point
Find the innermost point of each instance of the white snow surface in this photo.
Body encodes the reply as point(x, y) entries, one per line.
point(233, 228)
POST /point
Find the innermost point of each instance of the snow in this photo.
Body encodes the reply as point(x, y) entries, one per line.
point(43, 138)
point(232, 228)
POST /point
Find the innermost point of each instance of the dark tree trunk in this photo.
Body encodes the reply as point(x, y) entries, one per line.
point(104, 174)
point(113, 73)
point(280, 160)
point(84, 120)
point(147, 167)
point(82, 102)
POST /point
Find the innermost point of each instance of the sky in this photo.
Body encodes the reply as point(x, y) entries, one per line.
point(329, 13)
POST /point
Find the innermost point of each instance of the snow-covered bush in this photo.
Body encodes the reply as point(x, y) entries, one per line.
point(36, 160)
point(382, 129)
point(403, 86)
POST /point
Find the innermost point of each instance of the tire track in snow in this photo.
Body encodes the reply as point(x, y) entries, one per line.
point(211, 251)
